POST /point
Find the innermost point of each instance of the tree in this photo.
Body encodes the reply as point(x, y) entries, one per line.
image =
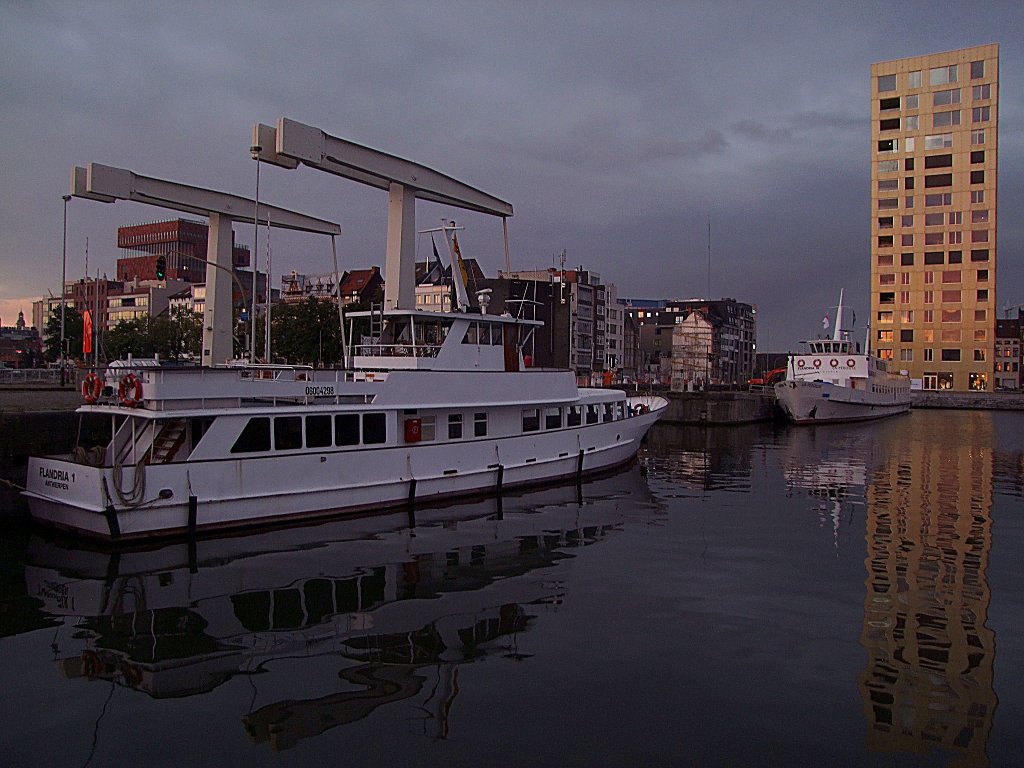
point(306, 333)
point(72, 334)
point(129, 337)
point(172, 336)
point(177, 334)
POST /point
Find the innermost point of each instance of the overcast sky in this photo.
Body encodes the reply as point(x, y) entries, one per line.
point(617, 130)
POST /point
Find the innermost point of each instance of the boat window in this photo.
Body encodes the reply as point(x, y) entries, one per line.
point(454, 426)
point(531, 420)
point(592, 414)
point(374, 429)
point(608, 412)
point(575, 416)
point(496, 335)
point(318, 431)
point(255, 436)
point(480, 424)
point(471, 336)
point(287, 433)
point(428, 428)
point(346, 429)
point(552, 418)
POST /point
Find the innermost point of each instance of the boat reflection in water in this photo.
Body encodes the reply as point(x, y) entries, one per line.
point(833, 471)
point(928, 683)
point(372, 610)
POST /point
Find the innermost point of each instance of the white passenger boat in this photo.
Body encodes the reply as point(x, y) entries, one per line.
point(833, 381)
point(431, 405)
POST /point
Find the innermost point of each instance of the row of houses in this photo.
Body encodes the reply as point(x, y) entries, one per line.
point(588, 327)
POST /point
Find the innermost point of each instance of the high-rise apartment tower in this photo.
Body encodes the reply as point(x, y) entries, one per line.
point(933, 216)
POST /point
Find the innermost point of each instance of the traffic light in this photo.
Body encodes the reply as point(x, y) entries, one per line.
point(161, 267)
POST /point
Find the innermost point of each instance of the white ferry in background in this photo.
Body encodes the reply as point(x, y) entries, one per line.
point(833, 381)
point(430, 405)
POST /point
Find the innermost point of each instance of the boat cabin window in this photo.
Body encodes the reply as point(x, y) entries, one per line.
point(575, 416)
point(454, 426)
point(609, 411)
point(593, 411)
point(374, 428)
point(287, 433)
point(346, 429)
point(255, 436)
point(483, 333)
point(531, 420)
point(552, 418)
point(318, 431)
point(480, 424)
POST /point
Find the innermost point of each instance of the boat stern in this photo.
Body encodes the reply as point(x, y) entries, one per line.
point(66, 494)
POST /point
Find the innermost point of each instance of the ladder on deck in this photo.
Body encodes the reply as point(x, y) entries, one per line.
point(167, 442)
point(376, 322)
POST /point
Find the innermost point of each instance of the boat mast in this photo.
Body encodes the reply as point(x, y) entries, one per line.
point(837, 335)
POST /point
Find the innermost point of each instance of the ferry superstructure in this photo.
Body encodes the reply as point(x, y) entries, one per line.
point(429, 405)
point(833, 381)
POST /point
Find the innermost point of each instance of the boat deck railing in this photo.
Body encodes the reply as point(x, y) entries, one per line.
point(396, 350)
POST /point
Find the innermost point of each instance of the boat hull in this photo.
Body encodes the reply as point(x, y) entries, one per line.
point(191, 497)
point(817, 402)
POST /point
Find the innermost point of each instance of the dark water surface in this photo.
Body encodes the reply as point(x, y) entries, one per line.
point(844, 595)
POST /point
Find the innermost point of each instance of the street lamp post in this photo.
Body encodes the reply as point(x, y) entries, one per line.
point(230, 271)
point(63, 280)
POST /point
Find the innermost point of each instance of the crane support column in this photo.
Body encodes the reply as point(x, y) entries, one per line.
point(217, 345)
point(400, 261)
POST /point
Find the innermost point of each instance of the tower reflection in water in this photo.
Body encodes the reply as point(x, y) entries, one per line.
point(371, 611)
point(928, 683)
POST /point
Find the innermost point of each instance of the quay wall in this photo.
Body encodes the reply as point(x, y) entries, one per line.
point(718, 408)
point(987, 401)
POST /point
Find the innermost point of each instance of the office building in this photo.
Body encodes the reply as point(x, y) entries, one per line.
point(933, 216)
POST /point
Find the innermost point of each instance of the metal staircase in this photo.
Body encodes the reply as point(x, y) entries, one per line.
point(167, 442)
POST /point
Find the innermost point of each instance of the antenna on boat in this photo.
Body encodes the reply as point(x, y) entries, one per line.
point(337, 297)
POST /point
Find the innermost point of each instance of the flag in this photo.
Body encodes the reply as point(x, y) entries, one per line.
point(462, 264)
point(824, 322)
point(86, 332)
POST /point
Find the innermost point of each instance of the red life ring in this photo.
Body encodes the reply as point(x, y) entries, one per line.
point(817, 363)
point(92, 385)
point(800, 363)
point(834, 363)
point(130, 390)
point(851, 363)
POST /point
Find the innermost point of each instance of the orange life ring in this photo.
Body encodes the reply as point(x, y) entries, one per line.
point(801, 363)
point(834, 363)
point(851, 363)
point(92, 386)
point(817, 363)
point(130, 390)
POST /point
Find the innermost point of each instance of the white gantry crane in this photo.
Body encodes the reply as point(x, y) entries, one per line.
point(291, 143)
point(107, 184)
